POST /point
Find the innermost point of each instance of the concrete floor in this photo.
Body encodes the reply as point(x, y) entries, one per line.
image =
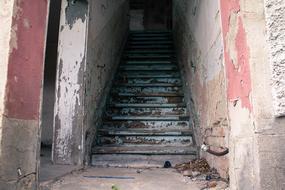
point(49, 171)
point(127, 179)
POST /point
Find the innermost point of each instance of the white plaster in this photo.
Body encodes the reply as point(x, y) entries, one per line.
point(71, 52)
point(6, 13)
point(275, 23)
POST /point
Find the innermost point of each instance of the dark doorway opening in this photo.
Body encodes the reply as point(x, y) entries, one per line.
point(150, 15)
point(49, 86)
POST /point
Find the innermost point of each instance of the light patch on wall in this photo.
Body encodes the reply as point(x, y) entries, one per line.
point(71, 56)
point(275, 23)
point(6, 12)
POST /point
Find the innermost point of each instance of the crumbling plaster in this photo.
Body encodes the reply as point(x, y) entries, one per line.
point(68, 110)
point(275, 25)
point(254, 154)
point(198, 39)
point(22, 64)
point(6, 12)
point(90, 41)
point(108, 30)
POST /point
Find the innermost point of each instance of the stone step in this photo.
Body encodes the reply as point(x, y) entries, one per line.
point(163, 105)
point(171, 80)
point(138, 160)
point(149, 118)
point(133, 140)
point(146, 52)
point(145, 150)
point(145, 57)
point(144, 132)
point(147, 125)
point(149, 42)
point(149, 62)
point(148, 85)
point(149, 74)
point(149, 47)
point(145, 100)
point(146, 111)
point(148, 67)
point(151, 38)
point(147, 95)
point(147, 89)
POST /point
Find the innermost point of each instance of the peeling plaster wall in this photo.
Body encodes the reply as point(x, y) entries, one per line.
point(68, 111)
point(257, 137)
point(275, 11)
point(108, 30)
point(6, 12)
point(198, 40)
point(22, 61)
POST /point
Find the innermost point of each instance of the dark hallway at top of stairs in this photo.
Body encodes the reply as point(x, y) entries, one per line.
point(146, 120)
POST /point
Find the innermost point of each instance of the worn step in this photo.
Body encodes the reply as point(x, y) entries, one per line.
point(163, 105)
point(148, 67)
point(166, 51)
point(144, 132)
point(148, 85)
point(146, 150)
point(119, 140)
point(155, 38)
point(150, 56)
point(147, 125)
point(146, 111)
point(146, 100)
point(147, 94)
point(150, 80)
point(149, 74)
point(150, 42)
point(148, 89)
point(138, 160)
point(149, 47)
point(149, 62)
point(149, 118)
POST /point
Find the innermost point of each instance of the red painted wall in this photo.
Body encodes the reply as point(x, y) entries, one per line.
point(26, 61)
point(238, 74)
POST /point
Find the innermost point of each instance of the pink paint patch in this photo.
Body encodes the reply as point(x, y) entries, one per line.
point(26, 62)
point(238, 75)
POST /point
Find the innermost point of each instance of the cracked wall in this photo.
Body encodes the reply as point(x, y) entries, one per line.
point(68, 110)
point(255, 132)
point(22, 64)
point(108, 30)
point(198, 39)
point(275, 20)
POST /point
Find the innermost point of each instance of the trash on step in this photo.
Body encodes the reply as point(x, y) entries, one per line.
point(198, 165)
point(139, 171)
point(198, 169)
point(167, 164)
point(109, 177)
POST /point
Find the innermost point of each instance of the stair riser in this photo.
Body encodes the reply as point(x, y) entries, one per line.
point(150, 80)
point(148, 125)
point(146, 111)
point(147, 90)
point(147, 100)
point(145, 140)
point(148, 68)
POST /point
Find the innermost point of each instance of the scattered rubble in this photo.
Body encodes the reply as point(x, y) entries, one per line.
point(199, 170)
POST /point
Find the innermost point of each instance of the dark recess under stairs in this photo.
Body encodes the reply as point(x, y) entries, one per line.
point(146, 121)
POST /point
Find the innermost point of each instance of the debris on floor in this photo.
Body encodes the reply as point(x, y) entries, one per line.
point(199, 170)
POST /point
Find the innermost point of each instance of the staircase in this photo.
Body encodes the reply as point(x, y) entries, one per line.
point(146, 121)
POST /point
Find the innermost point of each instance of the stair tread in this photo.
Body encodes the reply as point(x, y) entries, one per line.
point(153, 150)
point(163, 105)
point(151, 118)
point(148, 94)
point(145, 132)
point(148, 85)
